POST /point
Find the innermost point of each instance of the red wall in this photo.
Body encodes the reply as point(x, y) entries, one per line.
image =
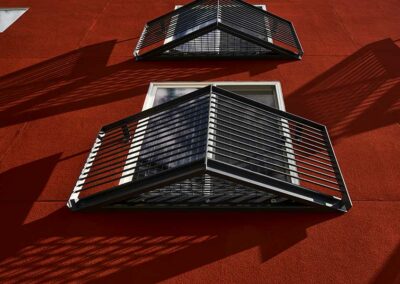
point(66, 69)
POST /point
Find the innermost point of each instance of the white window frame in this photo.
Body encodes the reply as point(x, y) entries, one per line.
point(149, 102)
point(11, 20)
point(151, 93)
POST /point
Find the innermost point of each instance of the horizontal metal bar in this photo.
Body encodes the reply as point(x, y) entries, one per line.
point(171, 123)
point(272, 185)
point(156, 160)
point(221, 118)
point(182, 108)
point(244, 34)
point(221, 122)
point(274, 165)
point(276, 119)
point(292, 152)
point(157, 109)
point(116, 160)
point(100, 157)
point(267, 141)
point(123, 176)
point(262, 108)
point(287, 156)
point(130, 190)
point(254, 9)
point(271, 30)
point(254, 119)
point(133, 160)
point(144, 147)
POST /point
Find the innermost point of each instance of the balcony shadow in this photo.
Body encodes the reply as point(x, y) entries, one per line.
point(359, 94)
point(45, 242)
point(82, 78)
point(390, 272)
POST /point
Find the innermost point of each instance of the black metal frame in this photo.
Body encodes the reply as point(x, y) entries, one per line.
point(249, 32)
point(246, 159)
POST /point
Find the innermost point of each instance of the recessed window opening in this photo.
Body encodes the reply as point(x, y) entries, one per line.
point(268, 93)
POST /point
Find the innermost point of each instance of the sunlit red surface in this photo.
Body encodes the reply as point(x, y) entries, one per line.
point(66, 69)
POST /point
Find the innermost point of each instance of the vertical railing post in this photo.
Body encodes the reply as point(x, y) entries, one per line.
point(140, 42)
point(335, 165)
point(218, 12)
point(209, 121)
point(297, 42)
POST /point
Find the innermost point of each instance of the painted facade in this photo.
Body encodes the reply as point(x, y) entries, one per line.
point(66, 69)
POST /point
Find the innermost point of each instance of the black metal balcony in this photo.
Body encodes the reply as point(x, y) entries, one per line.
point(218, 28)
point(212, 149)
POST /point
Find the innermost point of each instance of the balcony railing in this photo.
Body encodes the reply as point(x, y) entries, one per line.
point(218, 28)
point(212, 149)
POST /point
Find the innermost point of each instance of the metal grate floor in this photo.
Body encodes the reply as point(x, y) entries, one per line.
point(205, 191)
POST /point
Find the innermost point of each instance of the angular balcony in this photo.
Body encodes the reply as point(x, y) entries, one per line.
point(218, 28)
point(212, 149)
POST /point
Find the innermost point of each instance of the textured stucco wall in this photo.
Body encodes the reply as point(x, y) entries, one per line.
point(66, 69)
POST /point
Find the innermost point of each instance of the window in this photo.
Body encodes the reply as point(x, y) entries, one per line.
point(9, 15)
point(268, 93)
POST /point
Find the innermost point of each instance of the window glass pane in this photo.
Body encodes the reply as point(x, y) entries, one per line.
point(248, 121)
point(184, 132)
point(247, 143)
point(260, 93)
point(164, 95)
point(173, 138)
